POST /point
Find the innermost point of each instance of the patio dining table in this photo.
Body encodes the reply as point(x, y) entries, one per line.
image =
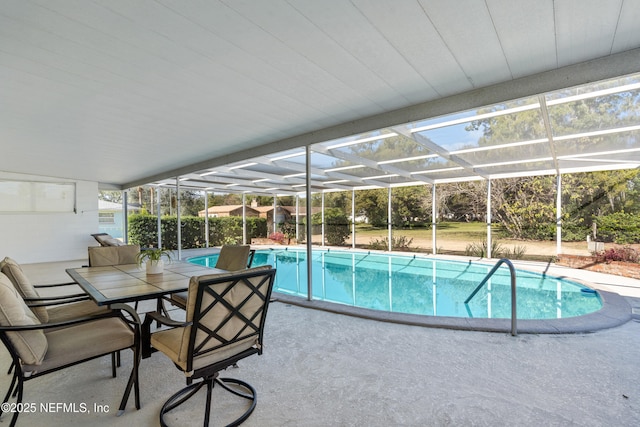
point(116, 284)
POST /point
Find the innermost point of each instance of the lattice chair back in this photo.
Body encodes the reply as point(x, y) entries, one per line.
point(227, 314)
point(233, 257)
point(225, 318)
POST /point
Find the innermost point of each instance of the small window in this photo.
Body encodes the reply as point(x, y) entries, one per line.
point(32, 196)
point(106, 218)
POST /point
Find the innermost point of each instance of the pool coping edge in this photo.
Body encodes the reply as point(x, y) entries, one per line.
point(615, 311)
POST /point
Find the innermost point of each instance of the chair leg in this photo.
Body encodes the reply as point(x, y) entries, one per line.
point(133, 382)
point(207, 408)
point(230, 384)
point(10, 390)
point(177, 399)
point(252, 395)
point(20, 386)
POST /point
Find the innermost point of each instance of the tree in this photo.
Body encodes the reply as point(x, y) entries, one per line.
point(373, 205)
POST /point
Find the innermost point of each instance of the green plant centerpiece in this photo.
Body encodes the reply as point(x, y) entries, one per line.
point(153, 257)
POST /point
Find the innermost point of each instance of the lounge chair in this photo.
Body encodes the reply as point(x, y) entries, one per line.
point(106, 239)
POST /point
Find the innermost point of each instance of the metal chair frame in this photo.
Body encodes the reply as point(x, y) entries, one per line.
point(210, 373)
point(16, 388)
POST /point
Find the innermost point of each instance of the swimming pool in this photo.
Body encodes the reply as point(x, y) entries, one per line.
point(422, 285)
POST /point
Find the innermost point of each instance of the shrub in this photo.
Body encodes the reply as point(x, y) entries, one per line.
point(222, 231)
point(481, 249)
point(399, 243)
point(619, 227)
point(277, 236)
point(625, 254)
point(517, 252)
point(336, 228)
point(288, 228)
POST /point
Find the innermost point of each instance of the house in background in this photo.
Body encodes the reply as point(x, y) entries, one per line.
point(111, 218)
point(228, 210)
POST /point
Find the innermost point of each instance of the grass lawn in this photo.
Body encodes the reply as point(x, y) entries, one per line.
point(467, 231)
point(454, 237)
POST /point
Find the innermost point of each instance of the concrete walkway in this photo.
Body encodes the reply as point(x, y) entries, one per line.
point(326, 369)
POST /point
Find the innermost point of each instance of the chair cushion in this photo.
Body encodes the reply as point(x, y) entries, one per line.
point(233, 257)
point(31, 346)
point(195, 280)
point(83, 341)
point(175, 342)
point(14, 272)
point(170, 341)
point(60, 313)
point(113, 255)
point(113, 242)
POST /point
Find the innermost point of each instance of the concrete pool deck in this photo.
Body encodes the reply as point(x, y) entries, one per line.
point(327, 369)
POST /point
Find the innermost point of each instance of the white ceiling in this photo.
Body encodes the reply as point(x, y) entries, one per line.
point(125, 92)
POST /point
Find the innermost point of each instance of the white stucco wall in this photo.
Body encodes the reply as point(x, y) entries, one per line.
point(44, 237)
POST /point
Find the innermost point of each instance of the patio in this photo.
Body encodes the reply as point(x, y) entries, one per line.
point(321, 368)
point(287, 98)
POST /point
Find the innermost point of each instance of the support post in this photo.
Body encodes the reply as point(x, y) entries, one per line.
point(489, 243)
point(159, 218)
point(179, 231)
point(309, 245)
point(434, 211)
point(244, 218)
point(353, 219)
point(206, 218)
point(125, 213)
point(297, 217)
point(275, 206)
point(389, 232)
point(558, 214)
point(322, 219)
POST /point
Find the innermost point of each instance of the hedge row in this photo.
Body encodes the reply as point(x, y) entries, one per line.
point(337, 227)
point(222, 230)
point(619, 227)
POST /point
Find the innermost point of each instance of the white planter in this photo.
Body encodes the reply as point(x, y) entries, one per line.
point(155, 267)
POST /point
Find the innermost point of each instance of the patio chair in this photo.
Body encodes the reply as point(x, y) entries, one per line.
point(38, 349)
point(225, 320)
point(48, 308)
point(52, 309)
point(231, 258)
point(100, 256)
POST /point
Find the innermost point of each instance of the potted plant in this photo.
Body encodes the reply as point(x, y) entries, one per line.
point(153, 258)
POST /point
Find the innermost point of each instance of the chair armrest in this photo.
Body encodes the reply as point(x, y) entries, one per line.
point(164, 320)
point(64, 323)
point(53, 285)
point(146, 329)
point(55, 300)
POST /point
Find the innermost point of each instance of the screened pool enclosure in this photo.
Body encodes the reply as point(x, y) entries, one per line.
point(594, 127)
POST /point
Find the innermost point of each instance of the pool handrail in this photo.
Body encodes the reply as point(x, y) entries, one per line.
point(512, 271)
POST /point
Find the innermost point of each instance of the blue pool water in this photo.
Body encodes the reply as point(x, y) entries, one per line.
point(422, 285)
